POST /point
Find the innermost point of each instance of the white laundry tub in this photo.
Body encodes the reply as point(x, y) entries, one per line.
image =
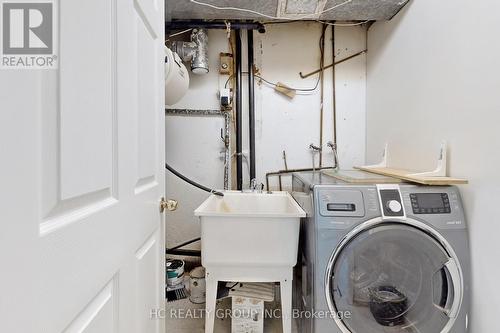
point(250, 229)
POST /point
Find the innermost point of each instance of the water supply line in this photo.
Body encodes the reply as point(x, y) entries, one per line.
point(289, 171)
point(322, 93)
point(177, 251)
point(305, 76)
point(184, 244)
point(334, 101)
point(315, 150)
point(333, 147)
point(192, 182)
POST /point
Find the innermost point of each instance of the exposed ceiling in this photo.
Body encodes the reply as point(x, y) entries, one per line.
point(359, 10)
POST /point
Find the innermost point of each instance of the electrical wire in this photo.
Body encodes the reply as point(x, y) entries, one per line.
point(178, 33)
point(301, 17)
point(343, 24)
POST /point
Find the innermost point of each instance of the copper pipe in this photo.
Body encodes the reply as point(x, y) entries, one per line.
point(322, 92)
point(284, 172)
point(303, 76)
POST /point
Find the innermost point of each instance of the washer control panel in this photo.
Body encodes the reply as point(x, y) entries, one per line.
point(391, 203)
point(430, 203)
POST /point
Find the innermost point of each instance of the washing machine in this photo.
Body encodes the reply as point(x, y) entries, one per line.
point(378, 258)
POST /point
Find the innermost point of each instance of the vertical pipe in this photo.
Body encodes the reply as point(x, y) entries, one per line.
point(239, 160)
point(334, 91)
point(251, 102)
point(227, 153)
point(322, 94)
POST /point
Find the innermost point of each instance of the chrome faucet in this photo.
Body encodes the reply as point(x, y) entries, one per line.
point(254, 187)
point(315, 150)
point(333, 146)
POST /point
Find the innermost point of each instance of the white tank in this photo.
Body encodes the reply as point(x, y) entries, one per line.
point(176, 78)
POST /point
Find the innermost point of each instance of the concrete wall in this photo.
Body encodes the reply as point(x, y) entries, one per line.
point(193, 144)
point(433, 74)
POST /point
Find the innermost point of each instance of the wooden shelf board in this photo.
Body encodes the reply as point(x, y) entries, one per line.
point(408, 176)
point(360, 177)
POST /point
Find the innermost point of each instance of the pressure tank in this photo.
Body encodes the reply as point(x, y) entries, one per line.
point(176, 78)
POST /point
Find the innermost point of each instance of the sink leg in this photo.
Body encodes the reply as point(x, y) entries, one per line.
point(210, 305)
point(286, 304)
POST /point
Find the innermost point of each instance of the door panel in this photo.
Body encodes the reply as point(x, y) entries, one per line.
point(147, 79)
point(148, 295)
point(101, 315)
point(150, 152)
point(82, 243)
point(79, 129)
point(87, 96)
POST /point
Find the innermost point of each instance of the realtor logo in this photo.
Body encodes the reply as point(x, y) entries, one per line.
point(28, 34)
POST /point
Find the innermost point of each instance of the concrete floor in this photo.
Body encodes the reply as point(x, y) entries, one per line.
point(197, 325)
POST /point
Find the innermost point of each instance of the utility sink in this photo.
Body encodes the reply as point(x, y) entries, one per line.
point(250, 229)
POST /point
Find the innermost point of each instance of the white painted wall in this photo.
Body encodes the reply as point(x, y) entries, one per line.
point(433, 74)
point(193, 147)
point(281, 124)
point(291, 125)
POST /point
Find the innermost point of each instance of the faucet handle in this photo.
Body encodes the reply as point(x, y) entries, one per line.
point(253, 183)
point(314, 148)
point(333, 147)
point(256, 187)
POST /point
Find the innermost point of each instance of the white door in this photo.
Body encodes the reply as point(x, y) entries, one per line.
point(82, 173)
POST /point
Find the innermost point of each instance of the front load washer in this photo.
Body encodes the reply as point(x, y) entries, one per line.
point(381, 258)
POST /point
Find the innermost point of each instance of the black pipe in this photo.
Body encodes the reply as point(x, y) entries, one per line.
point(184, 244)
point(239, 159)
point(184, 253)
point(251, 102)
point(179, 25)
point(187, 180)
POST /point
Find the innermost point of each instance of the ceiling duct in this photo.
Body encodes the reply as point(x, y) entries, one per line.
point(265, 10)
point(293, 9)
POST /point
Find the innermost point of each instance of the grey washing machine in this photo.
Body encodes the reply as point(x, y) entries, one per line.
point(381, 258)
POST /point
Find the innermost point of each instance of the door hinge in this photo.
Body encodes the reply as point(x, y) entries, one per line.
point(169, 205)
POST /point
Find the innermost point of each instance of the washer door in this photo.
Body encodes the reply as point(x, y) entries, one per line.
point(394, 277)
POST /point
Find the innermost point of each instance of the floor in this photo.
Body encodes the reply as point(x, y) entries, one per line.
point(182, 316)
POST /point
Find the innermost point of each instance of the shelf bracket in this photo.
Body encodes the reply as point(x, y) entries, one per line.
point(442, 164)
point(383, 163)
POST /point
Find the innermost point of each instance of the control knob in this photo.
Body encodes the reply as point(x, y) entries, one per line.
point(394, 206)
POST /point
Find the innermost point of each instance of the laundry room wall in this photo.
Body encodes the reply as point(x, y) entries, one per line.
point(433, 76)
point(194, 145)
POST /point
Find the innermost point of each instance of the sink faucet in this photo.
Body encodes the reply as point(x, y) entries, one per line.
point(333, 146)
point(315, 150)
point(256, 187)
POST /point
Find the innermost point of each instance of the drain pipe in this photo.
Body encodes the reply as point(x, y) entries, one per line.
point(251, 103)
point(239, 160)
point(195, 51)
